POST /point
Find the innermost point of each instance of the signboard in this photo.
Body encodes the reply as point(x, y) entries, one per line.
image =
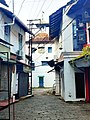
point(3, 52)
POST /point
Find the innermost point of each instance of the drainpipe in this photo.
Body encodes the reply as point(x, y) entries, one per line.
point(10, 24)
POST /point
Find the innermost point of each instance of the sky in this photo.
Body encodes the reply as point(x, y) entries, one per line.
point(35, 9)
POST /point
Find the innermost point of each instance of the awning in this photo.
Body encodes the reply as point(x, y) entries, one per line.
point(55, 21)
point(57, 66)
point(81, 62)
point(51, 63)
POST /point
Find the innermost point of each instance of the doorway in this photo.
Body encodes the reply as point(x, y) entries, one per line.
point(80, 87)
point(41, 82)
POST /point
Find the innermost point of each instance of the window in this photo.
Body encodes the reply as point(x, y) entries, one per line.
point(41, 49)
point(7, 33)
point(20, 37)
point(49, 49)
point(7, 30)
point(44, 63)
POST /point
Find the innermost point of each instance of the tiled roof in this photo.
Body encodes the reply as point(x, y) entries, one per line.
point(41, 37)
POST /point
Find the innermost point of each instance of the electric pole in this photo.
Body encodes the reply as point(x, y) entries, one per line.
point(32, 24)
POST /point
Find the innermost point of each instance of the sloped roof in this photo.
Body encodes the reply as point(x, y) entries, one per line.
point(17, 20)
point(41, 37)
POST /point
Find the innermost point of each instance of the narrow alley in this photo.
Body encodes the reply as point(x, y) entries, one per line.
point(44, 106)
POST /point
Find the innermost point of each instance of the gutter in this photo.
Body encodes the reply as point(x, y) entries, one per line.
point(10, 24)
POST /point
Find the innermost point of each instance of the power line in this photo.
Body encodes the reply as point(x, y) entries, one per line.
point(21, 6)
point(61, 32)
point(36, 7)
point(63, 23)
point(41, 8)
point(49, 5)
point(32, 7)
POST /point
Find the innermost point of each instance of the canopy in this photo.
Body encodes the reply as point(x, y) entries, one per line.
point(55, 21)
point(81, 62)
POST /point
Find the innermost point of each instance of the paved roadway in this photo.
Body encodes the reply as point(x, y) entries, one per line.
point(44, 106)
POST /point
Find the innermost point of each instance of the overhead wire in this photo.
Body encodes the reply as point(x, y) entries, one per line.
point(55, 49)
point(41, 8)
point(21, 7)
point(63, 23)
point(32, 6)
point(60, 33)
point(36, 8)
point(48, 5)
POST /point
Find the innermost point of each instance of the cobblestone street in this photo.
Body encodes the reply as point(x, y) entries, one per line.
point(44, 106)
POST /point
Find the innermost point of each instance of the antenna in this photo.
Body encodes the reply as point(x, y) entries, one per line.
point(42, 16)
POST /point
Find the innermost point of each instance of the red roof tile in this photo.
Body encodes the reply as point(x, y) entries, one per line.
point(41, 37)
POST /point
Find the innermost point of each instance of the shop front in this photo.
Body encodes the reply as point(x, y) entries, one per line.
point(22, 71)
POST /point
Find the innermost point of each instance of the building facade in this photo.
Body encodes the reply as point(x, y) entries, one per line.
point(44, 52)
point(72, 36)
point(13, 63)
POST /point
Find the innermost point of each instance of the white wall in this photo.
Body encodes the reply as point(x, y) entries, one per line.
point(13, 83)
point(67, 34)
point(48, 77)
point(42, 70)
point(69, 81)
point(57, 83)
point(15, 29)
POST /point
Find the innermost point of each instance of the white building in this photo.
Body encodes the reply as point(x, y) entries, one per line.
point(13, 66)
point(45, 50)
point(70, 31)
